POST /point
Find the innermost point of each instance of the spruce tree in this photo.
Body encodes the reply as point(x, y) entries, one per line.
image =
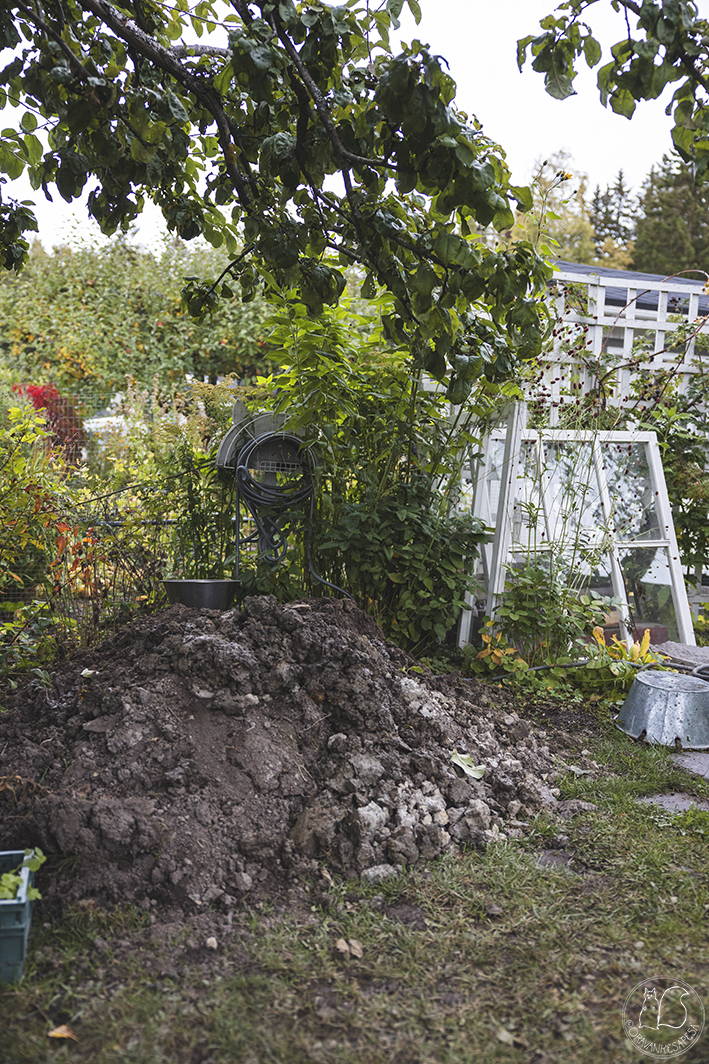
point(672, 232)
point(612, 214)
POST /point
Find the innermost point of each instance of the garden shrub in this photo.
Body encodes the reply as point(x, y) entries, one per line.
point(387, 460)
point(541, 621)
point(29, 511)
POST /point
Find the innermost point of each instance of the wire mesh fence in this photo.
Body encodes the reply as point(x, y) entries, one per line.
point(97, 510)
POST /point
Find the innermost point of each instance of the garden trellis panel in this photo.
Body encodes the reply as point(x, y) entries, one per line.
point(627, 319)
point(593, 507)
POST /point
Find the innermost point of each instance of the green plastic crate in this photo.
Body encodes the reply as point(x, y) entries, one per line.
point(15, 919)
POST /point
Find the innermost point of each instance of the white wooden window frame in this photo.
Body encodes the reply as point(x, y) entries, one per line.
point(496, 554)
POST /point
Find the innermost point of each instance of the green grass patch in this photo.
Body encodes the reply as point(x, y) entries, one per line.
point(484, 957)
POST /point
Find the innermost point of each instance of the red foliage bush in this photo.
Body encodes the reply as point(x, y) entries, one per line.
point(64, 419)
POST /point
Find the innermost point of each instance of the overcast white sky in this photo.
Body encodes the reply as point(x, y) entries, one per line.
point(478, 38)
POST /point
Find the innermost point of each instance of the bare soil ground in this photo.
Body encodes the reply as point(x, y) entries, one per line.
point(223, 798)
point(198, 760)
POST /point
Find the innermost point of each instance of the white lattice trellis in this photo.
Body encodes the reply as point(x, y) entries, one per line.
point(613, 310)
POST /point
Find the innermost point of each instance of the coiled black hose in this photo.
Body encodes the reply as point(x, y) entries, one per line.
point(267, 503)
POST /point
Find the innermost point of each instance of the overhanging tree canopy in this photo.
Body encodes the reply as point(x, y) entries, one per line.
point(665, 43)
point(296, 138)
point(238, 140)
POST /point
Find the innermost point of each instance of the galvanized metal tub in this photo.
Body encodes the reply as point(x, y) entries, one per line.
point(669, 708)
point(203, 594)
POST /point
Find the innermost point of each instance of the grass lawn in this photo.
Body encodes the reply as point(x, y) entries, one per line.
point(523, 953)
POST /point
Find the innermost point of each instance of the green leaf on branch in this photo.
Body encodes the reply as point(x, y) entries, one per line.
point(623, 103)
point(523, 196)
point(453, 250)
point(522, 46)
point(177, 110)
point(591, 50)
point(10, 163)
point(559, 85)
point(369, 288)
point(415, 10)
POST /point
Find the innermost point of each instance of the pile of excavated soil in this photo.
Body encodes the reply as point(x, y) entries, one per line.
point(200, 758)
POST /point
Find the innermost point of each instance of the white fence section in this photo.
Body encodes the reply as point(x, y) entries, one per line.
point(639, 323)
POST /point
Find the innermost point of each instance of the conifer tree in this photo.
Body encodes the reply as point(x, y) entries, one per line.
point(672, 232)
point(612, 215)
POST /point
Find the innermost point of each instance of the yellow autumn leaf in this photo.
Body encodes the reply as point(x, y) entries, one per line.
point(599, 635)
point(62, 1032)
point(644, 646)
point(618, 649)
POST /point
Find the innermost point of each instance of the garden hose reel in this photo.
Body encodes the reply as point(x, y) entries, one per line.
point(273, 478)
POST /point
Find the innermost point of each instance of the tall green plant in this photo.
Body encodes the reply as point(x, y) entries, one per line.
point(404, 562)
point(387, 456)
point(165, 475)
point(202, 505)
point(544, 617)
point(27, 504)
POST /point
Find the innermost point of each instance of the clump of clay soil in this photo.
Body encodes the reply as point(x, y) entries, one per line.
point(200, 758)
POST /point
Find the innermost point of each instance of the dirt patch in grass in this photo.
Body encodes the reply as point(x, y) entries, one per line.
point(567, 720)
point(200, 759)
point(483, 954)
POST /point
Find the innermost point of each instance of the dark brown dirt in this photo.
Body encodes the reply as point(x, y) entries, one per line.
point(200, 759)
